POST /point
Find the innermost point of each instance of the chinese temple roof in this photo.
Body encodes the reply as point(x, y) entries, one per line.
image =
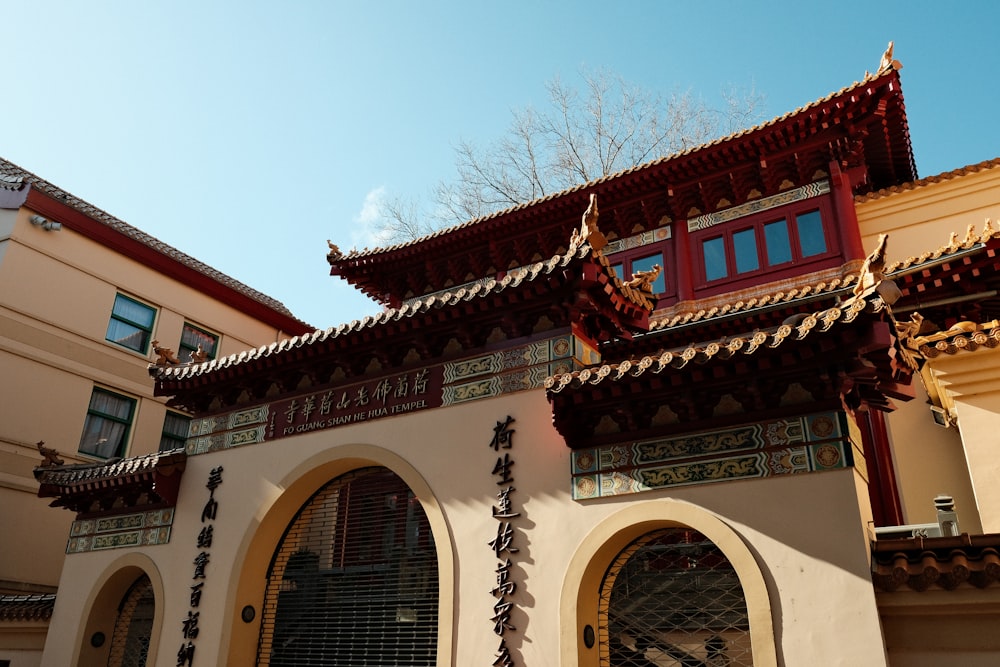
point(985, 165)
point(839, 357)
point(576, 289)
point(27, 607)
point(102, 487)
point(85, 218)
point(926, 563)
point(949, 294)
point(960, 267)
point(861, 128)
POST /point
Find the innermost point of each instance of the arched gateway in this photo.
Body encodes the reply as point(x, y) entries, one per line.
point(354, 580)
point(671, 597)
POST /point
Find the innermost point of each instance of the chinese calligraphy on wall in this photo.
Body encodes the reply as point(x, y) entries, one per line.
point(189, 625)
point(503, 545)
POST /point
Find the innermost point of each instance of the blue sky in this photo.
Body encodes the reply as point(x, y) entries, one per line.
point(248, 133)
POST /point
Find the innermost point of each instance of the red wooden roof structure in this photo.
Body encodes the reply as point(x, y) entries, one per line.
point(860, 131)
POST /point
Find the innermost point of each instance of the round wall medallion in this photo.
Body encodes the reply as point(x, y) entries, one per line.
point(588, 636)
point(97, 639)
point(248, 614)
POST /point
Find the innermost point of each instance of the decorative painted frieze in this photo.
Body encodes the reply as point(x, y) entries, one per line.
point(637, 241)
point(497, 373)
point(782, 447)
point(758, 205)
point(118, 532)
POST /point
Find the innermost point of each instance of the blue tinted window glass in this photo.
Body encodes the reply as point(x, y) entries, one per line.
point(646, 264)
point(745, 245)
point(714, 251)
point(779, 249)
point(811, 239)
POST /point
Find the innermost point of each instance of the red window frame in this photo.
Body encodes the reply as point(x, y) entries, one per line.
point(796, 266)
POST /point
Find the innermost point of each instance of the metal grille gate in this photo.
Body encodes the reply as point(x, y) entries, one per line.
point(133, 626)
point(354, 580)
point(671, 598)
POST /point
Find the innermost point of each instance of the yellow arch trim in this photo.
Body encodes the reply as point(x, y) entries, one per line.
point(248, 576)
point(101, 607)
point(578, 605)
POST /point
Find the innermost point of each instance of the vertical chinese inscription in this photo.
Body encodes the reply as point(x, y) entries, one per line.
point(503, 545)
point(189, 624)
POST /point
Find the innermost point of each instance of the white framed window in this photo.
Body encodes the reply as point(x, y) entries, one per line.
point(131, 324)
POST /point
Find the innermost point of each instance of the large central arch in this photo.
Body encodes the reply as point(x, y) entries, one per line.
point(249, 577)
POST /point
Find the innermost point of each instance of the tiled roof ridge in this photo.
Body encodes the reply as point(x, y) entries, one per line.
point(10, 170)
point(482, 289)
point(724, 348)
point(963, 337)
point(929, 180)
point(98, 470)
point(945, 562)
point(791, 295)
point(27, 607)
point(868, 79)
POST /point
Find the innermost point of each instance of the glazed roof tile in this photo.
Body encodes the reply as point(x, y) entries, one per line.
point(13, 177)
point(412, 309)
point(90, 474)
point(922, 563)
point(964, 337)
point(723, 349)
point(27, 607)
point(985, 165)
point(857, 85)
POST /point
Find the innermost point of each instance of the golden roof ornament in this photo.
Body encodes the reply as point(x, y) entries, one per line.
point(888, 62)
point(643, 280)
point(873, 269)
point(50, 457)
point(164, 355)
point(199, 356)
point(588, 230)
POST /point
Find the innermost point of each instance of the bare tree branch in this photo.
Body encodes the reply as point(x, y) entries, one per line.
point(610, 126)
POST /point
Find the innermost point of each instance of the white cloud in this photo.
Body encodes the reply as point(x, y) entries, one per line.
point(366, 233)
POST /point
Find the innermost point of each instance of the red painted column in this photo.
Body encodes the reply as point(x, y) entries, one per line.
point(845, 217)
point(683, 266)
point(887, 510)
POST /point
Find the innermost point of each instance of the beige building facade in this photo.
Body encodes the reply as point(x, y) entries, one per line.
point(83, 297)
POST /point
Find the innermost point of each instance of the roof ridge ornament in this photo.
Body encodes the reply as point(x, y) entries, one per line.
point(888, 63)
point(588, 230)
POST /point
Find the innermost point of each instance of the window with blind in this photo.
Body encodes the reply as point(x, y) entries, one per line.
point(192, 338)
point(131, 324)
point(175, 431)
point(109, 418)
point(354, 580)
point(672, 598)
point(133, 626)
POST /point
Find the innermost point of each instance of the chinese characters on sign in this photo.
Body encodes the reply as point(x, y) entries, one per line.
point(189, 625)
point(503, 544)
point(395, 395)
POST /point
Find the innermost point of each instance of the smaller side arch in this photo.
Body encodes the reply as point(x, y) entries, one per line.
point(100, 610)
point(579, 600)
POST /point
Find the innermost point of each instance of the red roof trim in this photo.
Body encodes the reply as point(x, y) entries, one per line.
point(110, 238)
